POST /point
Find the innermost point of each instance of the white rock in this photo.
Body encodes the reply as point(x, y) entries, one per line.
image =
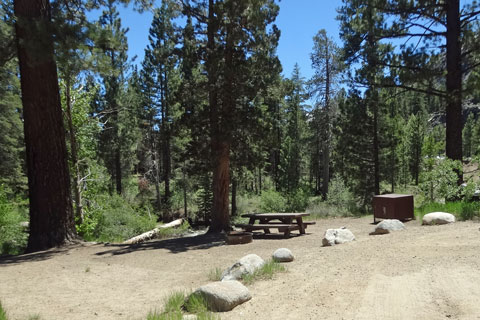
point(438, 218)
point(388, 225)
point(246, 265)
point(224, 295)
point(337, 236)
point(189, 317)
point(283, 255)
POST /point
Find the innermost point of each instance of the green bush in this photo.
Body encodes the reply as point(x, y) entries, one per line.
point(113, 219)
point(298, 201)
point(340, 196)
point(13, 237)
point(3, 313)
point(439, 179)
point(272, 201)
point(340, 202)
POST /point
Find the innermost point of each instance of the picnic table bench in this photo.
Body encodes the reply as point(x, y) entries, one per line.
point(284, 222)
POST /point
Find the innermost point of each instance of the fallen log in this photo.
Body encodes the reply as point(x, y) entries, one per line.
point(153, 233)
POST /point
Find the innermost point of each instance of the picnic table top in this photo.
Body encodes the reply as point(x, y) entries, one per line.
point(276, 215)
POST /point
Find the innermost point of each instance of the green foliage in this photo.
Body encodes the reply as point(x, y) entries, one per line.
point(3, 313)
point(467, 135)
point(215, 274)
point(297, 201)
point(174, 302)
point(461, 209)
point(266, 272)
point(196, 303)
point(112, 218)
point(13, 238)
point(178, 302)
point(340, 196)
point(439, 179)
point(272, 201)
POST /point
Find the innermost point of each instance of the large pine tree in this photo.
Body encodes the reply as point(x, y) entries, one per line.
point(51, 213)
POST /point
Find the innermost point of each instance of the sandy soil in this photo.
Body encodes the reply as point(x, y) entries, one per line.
point(421, 273)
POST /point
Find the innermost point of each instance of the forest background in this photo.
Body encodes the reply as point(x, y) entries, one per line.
point(207, 127)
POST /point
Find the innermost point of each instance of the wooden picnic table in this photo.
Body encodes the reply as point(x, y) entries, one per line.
point(284, 222)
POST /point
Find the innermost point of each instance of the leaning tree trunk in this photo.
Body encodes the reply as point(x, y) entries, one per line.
point(51, 213)
point(454, 84)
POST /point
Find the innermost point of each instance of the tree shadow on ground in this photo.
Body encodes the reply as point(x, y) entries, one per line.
point(277, 236)
point(177, 245)
point(32, 257)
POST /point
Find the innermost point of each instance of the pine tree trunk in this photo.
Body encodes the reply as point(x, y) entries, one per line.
point(218, 121)
point(167, 161)
point(51, 212)
point(221, 181)
point(118, 167)
point(376, 149)
point(454, 84)
point(185, 205)
point(77, 194)
point(326, 144)
point(156, 164)
point(234, 197)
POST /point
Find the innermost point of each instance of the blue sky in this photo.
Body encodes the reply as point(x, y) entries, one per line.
point(298, 20)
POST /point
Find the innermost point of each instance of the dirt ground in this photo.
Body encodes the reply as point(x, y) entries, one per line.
point(424, 272)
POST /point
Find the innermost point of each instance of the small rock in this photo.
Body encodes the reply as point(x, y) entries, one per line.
point(246, 265)
point(189, 317)
point(337, 236)
point(224, 295)
point(388, 225)
point(283, 255)
point(438, 218)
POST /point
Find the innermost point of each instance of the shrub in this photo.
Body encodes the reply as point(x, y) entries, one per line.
point(340, 196)
point(112, 218)
point(177, 303)
point(439, 179)
point(298, 201)
point(272, 201)
point(13, 238)
point(340, 202)
point(3, 313)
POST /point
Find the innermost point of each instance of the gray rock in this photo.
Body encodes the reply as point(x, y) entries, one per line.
point(438, 218)
point(388, 225)
point(337, 236)
point(246, 265)
point(283, 255)
point(189, 317)
point(224, 295)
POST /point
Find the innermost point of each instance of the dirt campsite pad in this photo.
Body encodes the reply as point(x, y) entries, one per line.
point(424, 272)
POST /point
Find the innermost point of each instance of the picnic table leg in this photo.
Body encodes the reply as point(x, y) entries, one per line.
point(266, 230)
point(301, 225)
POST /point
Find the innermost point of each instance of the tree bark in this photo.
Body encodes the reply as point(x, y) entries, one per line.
point(51, 212)
point(454, 84)
point(77, 193)
point(326, 143)
point(221, 181)
point(234, 197)
point(118, 165)
point(218, 121)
